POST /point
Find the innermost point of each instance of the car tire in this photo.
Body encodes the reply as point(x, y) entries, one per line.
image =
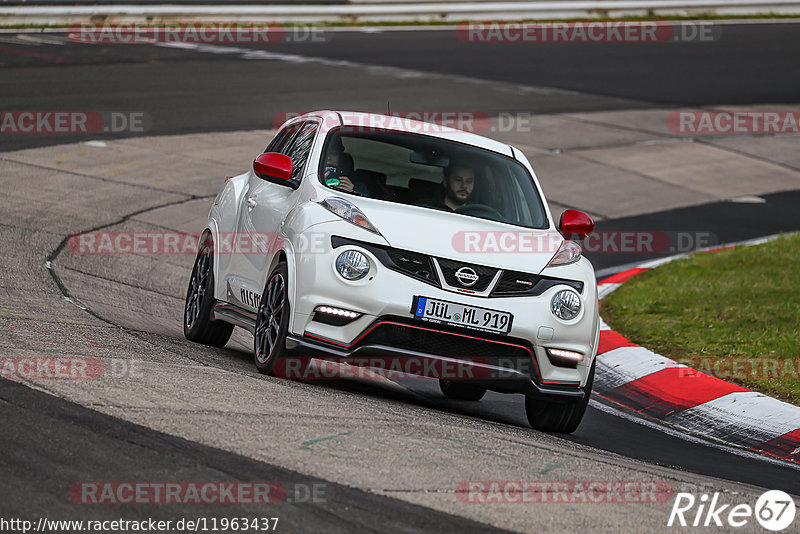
point(562, 416)
point(272, 321)
point(461, 390)
point(198, 326)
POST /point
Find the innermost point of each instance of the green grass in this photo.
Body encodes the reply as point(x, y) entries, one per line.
point(734, 314)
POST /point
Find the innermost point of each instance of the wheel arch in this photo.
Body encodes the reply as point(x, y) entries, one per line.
point(213, 230)
point(287, 255)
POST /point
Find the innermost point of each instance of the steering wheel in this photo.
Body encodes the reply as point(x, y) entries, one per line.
point(483, 211)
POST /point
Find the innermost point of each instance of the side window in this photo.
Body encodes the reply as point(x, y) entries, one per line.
point(281, 140)
point(301, 147)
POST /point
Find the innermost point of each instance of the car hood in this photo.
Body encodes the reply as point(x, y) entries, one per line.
point(462, 238)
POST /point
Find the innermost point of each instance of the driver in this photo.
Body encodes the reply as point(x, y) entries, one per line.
point(333, 172)
point(458, 186)
point(339, 168)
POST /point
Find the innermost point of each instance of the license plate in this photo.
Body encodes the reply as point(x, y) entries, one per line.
point(471, 317)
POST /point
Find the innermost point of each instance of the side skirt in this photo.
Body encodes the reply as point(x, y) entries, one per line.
point(237, 316)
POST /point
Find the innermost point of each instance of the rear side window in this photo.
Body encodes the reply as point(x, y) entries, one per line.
point(300, 147)
point(282, 140)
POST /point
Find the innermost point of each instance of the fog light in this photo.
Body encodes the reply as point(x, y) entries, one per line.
point(352, 265)
point(564, 358)
point(566, 305)
point(334, 316)
point(338, 311)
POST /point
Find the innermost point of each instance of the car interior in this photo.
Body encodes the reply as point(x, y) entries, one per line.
point(409, 169)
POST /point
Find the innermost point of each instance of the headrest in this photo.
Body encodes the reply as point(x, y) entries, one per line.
point(424, 188)
point(371, 176)
point(346, 164)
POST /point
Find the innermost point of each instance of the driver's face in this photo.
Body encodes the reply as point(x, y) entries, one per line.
point(460, 184)
point(333, 158)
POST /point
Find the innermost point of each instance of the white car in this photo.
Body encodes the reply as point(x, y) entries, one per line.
point(385, 243)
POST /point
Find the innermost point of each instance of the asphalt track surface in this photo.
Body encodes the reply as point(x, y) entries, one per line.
point(52, 431)
point(193, 91)
point(185, 90)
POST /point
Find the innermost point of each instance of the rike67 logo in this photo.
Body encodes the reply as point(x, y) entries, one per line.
point(774, 510)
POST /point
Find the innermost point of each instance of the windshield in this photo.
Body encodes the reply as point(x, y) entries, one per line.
point(431, 173)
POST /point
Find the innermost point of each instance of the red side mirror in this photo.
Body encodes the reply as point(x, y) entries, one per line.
point(574, 222)
point(273, 165)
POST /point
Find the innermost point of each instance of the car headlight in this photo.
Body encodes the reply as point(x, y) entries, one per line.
point(349, 212)
point(566, 305)
point(569, 252)
point(352, 265)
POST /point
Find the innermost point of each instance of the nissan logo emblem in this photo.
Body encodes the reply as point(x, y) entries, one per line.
point(466, 276)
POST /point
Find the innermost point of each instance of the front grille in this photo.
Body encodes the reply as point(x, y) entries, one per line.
point(449, 344)
point(514, 283)
point(450, 267)
point(413, 264)
point(420, 266)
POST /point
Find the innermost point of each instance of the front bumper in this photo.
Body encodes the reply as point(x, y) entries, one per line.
point(397, 346)
point(385, 296)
